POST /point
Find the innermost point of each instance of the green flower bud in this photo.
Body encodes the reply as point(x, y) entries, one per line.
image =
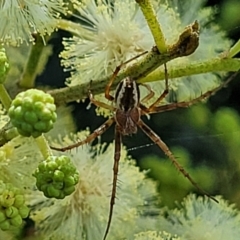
point(69, 190)
point(16, 221)
point(23, 211)
point(19, 201)
point(12, 208)
point(2, 216)
point(53, 192)
point(33, 112)
point(56, 177)
point(7, 198)
point(5, 225)
point(11, 212)
point(69, 181)
point(4, 65)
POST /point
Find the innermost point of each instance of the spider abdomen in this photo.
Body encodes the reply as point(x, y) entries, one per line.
point(127, 120)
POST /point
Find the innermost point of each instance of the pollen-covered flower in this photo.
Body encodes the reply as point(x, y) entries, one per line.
point(21, 18)
point(154, 235)
point(84, 214)
point(18, 160)
point(115, 31)
point(203, 219)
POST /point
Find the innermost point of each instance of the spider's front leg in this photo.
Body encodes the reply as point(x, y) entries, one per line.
point(99, 103)
point(115, 73)
point(99, 131)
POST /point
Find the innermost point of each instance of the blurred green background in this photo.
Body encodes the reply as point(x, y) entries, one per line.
point(205, 138)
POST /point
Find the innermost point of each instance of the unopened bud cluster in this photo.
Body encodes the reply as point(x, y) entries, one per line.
point(12, 206)
point(56, 177)
point(33, 112)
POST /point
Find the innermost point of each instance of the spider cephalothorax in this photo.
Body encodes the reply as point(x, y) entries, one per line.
point(127, 112)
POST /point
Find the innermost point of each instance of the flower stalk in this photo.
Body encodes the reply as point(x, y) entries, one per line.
point(153, 24)
point(43, 146)
point(31, 70)
point(234, 50)
point(4, 97)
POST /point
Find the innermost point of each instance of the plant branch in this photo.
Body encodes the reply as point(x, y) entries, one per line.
point(212, 65)
point(187, 43)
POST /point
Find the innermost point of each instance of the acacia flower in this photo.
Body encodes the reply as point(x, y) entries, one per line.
point(154, 235)
point(202, 219)
point(84, 213)
point(18, 160)
point(117, 31)
point(20, 19)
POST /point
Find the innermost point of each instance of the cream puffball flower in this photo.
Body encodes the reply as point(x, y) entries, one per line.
point(21, 18)
point(201, 218)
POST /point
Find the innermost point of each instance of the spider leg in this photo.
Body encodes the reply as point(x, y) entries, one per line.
point(100, 130)
point(115, 73)
point(118, 141)
point(149, 95)
point(99, 103)
point(172, 106)
point(165, 92)
point(156, 139)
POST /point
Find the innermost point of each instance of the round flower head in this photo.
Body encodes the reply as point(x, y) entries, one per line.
point(33, 112)
point(115, 31)
point(201, 218)
point(20, 19)
point(18, 160)
point(84, 213)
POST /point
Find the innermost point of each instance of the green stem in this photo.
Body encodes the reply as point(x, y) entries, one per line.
point(43, 146)
point(234, 50)
point(212, 65)
point(4, 97)
point(153, 24)
point(31, 69)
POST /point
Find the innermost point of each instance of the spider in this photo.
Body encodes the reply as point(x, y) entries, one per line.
point(128, 109)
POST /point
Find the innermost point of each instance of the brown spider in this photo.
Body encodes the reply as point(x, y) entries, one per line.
point(128, 110)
